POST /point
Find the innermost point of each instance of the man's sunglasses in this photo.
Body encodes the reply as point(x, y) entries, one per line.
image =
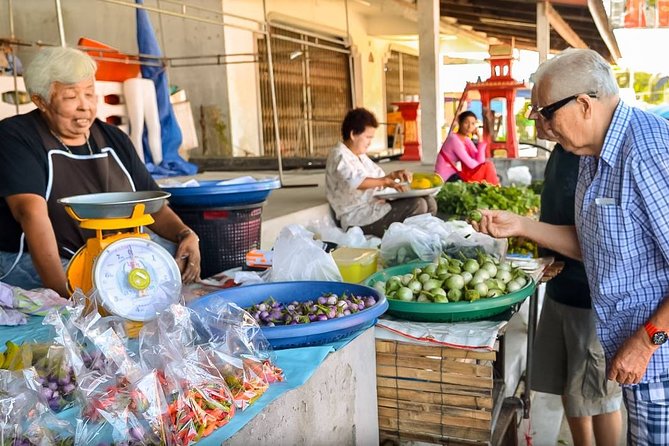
point(548, 111)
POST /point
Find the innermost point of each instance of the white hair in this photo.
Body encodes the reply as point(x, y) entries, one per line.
point(57, 64)
point(576, 71)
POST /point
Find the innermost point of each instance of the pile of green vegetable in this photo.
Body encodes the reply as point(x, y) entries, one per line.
point(453, 280)
point(458, 199)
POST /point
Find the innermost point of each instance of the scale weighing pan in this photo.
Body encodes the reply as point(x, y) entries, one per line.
point(114, 204)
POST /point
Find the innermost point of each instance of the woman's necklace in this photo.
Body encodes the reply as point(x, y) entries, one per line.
point(90, 151)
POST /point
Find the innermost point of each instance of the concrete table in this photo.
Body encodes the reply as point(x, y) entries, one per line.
point(336, 406)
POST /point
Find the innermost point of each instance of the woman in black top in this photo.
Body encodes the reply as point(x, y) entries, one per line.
point(61, 150)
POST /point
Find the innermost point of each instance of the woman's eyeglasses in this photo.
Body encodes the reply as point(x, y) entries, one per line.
point(548, 111)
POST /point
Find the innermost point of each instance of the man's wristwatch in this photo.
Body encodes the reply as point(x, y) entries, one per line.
point(657, 336)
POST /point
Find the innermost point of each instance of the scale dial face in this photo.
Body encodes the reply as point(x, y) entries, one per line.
point(136, 278)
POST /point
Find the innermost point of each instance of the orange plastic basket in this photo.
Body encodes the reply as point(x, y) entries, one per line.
point(126, 68)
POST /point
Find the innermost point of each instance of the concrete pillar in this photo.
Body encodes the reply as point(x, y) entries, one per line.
point(543, 43)
point(431, 104)
point(543, 31)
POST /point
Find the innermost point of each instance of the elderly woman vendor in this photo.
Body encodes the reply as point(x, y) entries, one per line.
point(61, 150)
point(351, 179)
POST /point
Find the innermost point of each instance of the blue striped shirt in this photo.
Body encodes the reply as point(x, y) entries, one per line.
point(622, 221)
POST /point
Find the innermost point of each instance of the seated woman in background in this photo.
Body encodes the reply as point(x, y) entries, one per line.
point(351, 178)
point(459, 148)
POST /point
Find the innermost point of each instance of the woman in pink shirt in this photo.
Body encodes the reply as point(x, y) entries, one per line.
point(460, 160)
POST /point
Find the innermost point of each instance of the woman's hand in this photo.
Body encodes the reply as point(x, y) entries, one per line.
point(499, 224)
point(188, 257)
point(398, 179)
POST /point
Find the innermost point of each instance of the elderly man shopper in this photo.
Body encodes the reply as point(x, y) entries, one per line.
point(620, 227)
point(60, 150)
point(568, 358)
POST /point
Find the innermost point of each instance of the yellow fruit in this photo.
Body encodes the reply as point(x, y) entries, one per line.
point(421, 183)
point(13, 359)
point(436, 180)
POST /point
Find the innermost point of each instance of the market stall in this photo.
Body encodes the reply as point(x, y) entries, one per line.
point(306, 336)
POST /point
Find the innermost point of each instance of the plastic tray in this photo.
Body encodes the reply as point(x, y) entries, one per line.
point(210, 195)
point(114, 204)
point(302, 335)
point(411, 193)
point(451, 311)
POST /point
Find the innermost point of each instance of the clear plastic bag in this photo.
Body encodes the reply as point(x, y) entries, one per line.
point(327, 231)
point(53, 372)
point(198, 398)
point(297, 256)
point(119, 412)
point(403, 243)
point(466, 240)
point(24, 418)
point(240, 352)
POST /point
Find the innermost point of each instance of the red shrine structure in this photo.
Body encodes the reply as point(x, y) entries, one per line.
point(500, 84)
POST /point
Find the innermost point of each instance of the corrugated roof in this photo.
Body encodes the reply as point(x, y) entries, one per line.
point(505, 19)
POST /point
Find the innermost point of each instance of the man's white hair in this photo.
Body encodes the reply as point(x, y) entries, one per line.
point(575, 71)
point(57, 64)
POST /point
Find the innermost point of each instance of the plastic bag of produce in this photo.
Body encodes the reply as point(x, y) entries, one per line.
point(237, 351)
point(171, 336)
point(52, 364)
point(51, 370)
point(24, 418)
point(297, 256)
point(240, 352)
point(116, 411)
point(403, 243)
point(198, 399)
point(463, 238)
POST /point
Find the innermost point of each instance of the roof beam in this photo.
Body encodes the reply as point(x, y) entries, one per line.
point(563, 28)
point(598, 14)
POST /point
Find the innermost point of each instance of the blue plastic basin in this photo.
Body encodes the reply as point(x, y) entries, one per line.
point(301, 335)
point(209, 194)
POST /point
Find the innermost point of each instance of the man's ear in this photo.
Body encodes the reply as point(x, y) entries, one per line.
point(585, 103)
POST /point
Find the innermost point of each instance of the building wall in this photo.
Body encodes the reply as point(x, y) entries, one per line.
point(232, 89)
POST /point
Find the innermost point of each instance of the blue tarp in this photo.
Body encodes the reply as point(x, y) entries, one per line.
point(170, 132)
point(298, 365)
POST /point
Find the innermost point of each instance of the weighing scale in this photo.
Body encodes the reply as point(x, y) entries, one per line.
point(135, 278)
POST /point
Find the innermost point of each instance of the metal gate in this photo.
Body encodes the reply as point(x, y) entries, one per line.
point(313, 91)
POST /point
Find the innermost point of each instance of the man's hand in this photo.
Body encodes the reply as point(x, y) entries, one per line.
point(499, 224)
point(631, 360)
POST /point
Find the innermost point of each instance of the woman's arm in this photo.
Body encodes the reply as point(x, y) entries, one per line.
point(479, 149)
point(168, 225)
point(387, 181)
point(463, 155)
point(30, 211)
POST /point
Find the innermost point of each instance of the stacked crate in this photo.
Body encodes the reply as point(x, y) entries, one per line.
point(434, 394)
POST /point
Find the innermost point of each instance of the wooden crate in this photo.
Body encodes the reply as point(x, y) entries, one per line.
point(434, 394)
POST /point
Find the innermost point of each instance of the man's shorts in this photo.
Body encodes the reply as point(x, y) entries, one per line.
point(568, 360)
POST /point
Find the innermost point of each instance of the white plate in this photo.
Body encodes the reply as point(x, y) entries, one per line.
point(392, 194)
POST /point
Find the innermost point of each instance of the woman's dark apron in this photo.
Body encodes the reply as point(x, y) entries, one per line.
point(69, 175)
